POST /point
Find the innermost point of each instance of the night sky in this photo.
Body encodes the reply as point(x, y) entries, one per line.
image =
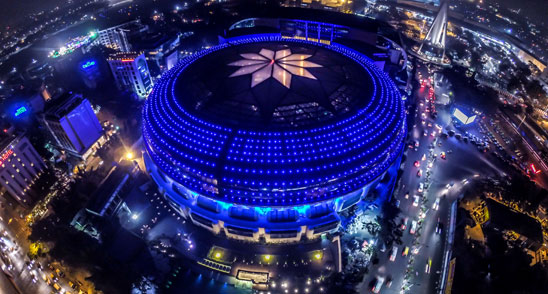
point(536, 10)
point(14, 11)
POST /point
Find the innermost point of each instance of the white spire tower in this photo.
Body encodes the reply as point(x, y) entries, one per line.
point(436, 34)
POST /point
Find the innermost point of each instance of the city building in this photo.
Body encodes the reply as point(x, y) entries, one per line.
point(107, 200)
point(117, 37)
point(20, 167)
point(130, 71)
point(161, 50)
point(265, 138)
point(73, 125)
point(89, 70)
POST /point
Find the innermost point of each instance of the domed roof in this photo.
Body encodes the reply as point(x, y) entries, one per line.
point(270, 121)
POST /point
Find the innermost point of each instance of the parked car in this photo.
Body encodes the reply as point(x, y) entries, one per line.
point(393, 253)
point(413, 227)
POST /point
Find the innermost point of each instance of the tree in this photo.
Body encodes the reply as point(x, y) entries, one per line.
point(535, 91)
point(514, 84)
point(387, 222)
point(505, 65)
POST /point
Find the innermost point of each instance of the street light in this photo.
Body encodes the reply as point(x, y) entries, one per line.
point(129, 155)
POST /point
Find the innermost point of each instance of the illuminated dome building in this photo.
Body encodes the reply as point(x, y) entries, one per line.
point(266, 138)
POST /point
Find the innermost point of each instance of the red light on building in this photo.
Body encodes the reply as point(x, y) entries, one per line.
point(5, 156)
point(128, 60)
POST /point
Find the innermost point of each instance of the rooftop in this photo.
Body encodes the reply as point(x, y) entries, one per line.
point(268, 120)
point(273, 84)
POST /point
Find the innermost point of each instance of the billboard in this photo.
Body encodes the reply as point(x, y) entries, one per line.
point(462, 117)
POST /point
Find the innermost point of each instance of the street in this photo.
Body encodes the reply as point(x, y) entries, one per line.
point(421, 272)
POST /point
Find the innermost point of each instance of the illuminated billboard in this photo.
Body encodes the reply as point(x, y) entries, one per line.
point(463, 118)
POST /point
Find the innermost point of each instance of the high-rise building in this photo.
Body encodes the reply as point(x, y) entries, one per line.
point(73, 124)
point(131, 72)
point(20, 166)
point(117, 37)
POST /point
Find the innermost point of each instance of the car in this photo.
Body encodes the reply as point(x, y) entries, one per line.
point(436, 204)
point(405, 251)
point(59, 273)
point(388, 282)
point(419, 173)
point(415, 250)
point(393, 253)
point(8, 265)
point(378, 285)
point(428, 266)
point(57, 287)
point(33, 278)
point(420, 189)
point(430, 164)
point(398, 203)
point(407, 195)
point(416, 201)
point(442, 155)
point(382, 249)
point(413, 227)
point(404, 223)
point(425, 133)
point(439, 227)
point(417, 163)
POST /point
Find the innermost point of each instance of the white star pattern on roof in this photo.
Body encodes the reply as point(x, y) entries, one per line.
point(281, 65)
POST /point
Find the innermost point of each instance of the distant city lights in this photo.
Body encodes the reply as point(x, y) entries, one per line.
point(74, 44)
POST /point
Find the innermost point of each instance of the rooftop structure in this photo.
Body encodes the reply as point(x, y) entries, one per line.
point(107, 200)
point(73, 124)
point(131, 72)
point(117, 37)
point(282, 135)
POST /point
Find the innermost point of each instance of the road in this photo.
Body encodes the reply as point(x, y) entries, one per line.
point(447, 177)
point(14, 234)
point(20, 277)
